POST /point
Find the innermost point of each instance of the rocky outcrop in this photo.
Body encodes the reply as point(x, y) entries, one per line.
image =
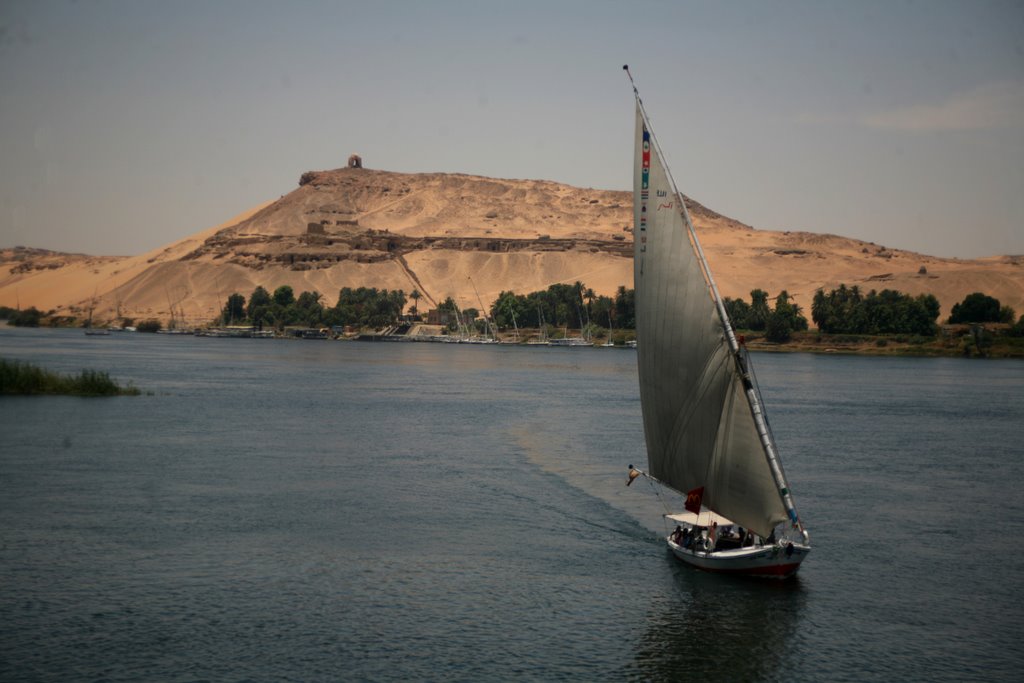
point(438, 232)
point(322, 248)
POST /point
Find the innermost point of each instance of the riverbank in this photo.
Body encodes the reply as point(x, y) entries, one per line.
point(971, 343)
point(988, 341)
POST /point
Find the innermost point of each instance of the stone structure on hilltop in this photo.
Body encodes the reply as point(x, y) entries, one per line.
point(355, 161)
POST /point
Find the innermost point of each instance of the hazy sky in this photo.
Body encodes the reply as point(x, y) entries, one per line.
point(128, 125)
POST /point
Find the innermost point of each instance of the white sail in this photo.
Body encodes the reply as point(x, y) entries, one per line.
point(698, 420)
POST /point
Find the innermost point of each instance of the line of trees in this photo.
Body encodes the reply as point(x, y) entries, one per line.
point(30, 317)
point(564, 305)
point(846, 310)
point(364, 306)
point(778, 323)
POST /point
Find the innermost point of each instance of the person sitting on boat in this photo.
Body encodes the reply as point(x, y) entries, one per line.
point(688, 537)
point(712, 536)
point(704, 542)
point(677, 535)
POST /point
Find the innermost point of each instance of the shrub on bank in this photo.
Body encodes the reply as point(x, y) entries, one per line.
point(27, 379)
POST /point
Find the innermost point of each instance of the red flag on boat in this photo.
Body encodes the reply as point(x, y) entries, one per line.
point(693, 500)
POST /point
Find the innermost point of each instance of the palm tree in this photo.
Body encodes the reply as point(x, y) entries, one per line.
point(415, 296)
point(589, 295)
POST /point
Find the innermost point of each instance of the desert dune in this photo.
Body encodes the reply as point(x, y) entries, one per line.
point(444, 234)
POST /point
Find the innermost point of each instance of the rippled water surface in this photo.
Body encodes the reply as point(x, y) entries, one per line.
point(316, 510)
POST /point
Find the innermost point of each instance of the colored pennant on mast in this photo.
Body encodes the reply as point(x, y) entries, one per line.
point(694, 499)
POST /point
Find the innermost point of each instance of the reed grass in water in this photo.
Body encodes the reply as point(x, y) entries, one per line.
point(27, 379)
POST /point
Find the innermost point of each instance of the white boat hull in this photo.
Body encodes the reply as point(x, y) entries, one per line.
point(775, 561)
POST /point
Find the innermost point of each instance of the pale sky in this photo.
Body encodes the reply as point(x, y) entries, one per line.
point(127, 125)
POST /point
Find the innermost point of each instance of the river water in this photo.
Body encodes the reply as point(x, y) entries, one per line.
point(311, 510)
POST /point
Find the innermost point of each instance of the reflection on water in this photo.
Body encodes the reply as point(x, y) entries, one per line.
point(718, 628)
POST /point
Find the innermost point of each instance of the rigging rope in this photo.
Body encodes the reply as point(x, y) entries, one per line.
point(664, 505)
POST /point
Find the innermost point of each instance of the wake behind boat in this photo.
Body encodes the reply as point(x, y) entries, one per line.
point(707, 434)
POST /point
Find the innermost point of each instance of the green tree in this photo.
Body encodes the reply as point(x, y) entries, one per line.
point(367, 307)
point(1018, 328)
point(846, 311)
point(925, 315)
point(602, 311)
point(759, 310)
point(307, 309)
point(563, 314)
point(589, 296)
point(30, 317)
point(784, 320)
point(738, 311)
point(821, 310)
point(777, 329)
point(284, 296)
point(625, 308)
point(234, 309)
point(976, 308)
point(396, 302)
point(560, 305)
point(839, 311)
point(508, 308)
point(259, 302)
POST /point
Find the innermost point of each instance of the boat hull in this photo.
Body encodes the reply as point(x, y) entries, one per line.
point(773, 561)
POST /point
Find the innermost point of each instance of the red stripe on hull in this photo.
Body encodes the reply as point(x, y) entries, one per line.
point(778, 568)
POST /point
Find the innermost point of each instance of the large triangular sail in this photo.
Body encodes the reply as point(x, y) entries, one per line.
point(702, 419)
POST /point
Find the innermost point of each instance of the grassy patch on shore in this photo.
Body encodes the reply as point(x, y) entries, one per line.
point(956, 345)
point(26, 379)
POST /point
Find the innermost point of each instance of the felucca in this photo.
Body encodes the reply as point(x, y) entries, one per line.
point(707, 435)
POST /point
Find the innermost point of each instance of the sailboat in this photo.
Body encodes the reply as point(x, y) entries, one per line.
point(89, 329)
point(542, 340)
point(566, 340)
point(705, 426)
point(608, 343)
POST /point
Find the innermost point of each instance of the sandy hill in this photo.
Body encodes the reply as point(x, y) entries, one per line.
point(444, 233)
